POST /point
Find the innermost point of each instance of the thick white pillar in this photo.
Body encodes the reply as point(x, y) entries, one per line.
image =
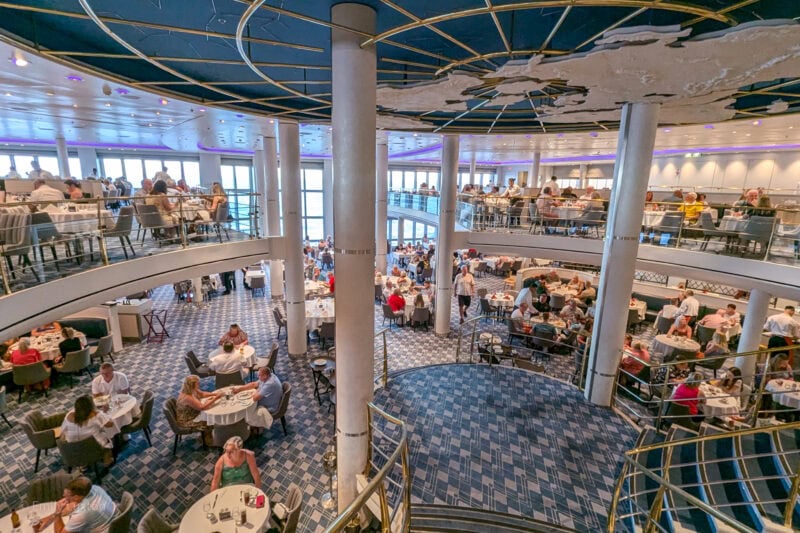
point(583, 171)
point(473, 164)
point(353, 84)
point(546, 173)
point(381, 193)
point(63, 158)
point(327, 197)
point(293, 238)
point(533, 173)
point(273, 209)
point(444, 240)
point(637, 134)
point(88, 159)
point(400, 225)
point(750, 340)
point(259, 165)
point(209, 169)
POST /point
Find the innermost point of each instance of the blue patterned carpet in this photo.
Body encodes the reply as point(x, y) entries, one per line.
point(504, 440)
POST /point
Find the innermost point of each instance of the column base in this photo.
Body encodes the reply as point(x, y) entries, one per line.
point(302, 354)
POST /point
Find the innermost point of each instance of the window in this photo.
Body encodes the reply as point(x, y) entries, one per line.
point(49, 163)
point(313, 204)
point(112, 167)
point(151, 167)
point(134, 172)
point(23, 164)
point(191, 173)
point(75, 167)
point(5, 164)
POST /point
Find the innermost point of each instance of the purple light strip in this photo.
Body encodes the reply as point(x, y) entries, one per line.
point(89, 144)
point(418, 151)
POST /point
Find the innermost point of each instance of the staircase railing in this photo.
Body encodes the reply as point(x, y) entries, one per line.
point(626, 514)
point(381, 358)
point(388, 493)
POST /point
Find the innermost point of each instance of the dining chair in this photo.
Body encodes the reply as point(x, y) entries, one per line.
point(82, 454)
point(421, 317)
point(327, 332)
point(758, 230)
point(48, 235)
point(27, 375)
point(76, 362)
point(287, 513)
point(201, 371)
point(226, 380)
point(258, 283)
point(221, 433)
point(41, 431)
point(48, 488)
point(284, 406)
point(122, 229)
point(153, 522)
point(104, 348)
point(220, 220)
point(142, 422)
point(121, 523)
point(18, 244)
point(170, 413)
point(280, 320)
point(4, 405)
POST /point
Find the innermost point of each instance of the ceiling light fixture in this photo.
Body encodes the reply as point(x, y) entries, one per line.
point(667, 130)
point(18, 59)
point(756, 123)
point(709, 126)
point(593, 134)
point(73, 77)
point(202, 110)
point(163, 101)
point(108, 104)
point(8, 94)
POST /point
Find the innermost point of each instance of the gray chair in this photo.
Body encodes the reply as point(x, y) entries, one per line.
point(153, 522)
point(710, 231)
point(258, 283)
point(47, 489)
point(421, 317)
point(390, 315)
point(663, 324)
point(226, 380)
point(48, 235)
point(482, 292)
point(280, 320)
point(704, 334)
point(557, 301)
point(4, 405)
point(122, 229)
point(142, 422)
point(287, 513)
point(41, 431)
point(76, 362)
point(170, 413)
point(26, 375)
point(284, 405)
point(670, 226)
point(201, 371)
point(82, 454)
point(150, 218)
point(105, 346)
point(221, 434)
point(121, 523)
point(268, 362)
point(633, 319)
point(221, 220)
point(17, 243)
point(327, 332)
point(590, 220)
point(524, 364)
point(758, 230)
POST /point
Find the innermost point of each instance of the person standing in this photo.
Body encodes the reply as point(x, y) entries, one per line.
point(783, 329)
point(464, 286)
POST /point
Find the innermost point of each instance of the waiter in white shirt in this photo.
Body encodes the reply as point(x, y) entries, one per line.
point(513, 190)
point(689, 308)
point(45, 193)
point(555, 190)
point(783, 330)
point(464, 286)
point(110, 382)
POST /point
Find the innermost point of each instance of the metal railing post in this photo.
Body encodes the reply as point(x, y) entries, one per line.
point(101, 241)
point(664, 389)
point(4, 273)
point(385, 361)
point(790, 507)
point(182, 224)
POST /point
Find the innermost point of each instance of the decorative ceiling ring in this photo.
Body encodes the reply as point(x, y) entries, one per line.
point(491, 55)
point(248, 13)
point(523, 6)
point(122, 42)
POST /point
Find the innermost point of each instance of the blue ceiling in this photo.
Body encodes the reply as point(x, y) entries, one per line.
point(290, 43)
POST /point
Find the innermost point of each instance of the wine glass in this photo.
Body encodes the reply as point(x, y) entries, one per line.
point(237, 516)
point(207, 510)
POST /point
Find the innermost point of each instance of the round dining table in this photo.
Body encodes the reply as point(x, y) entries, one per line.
point(79, 221)
point(500, 299)
point(232, 408)
point(121, 409)
point(28, 516)
point(227, 499)
point(553, 321)
point(652, 218)
point(717, 402)
point(671, 346)
point(409, 310)
point(568, 212)
point(246, 353)
point(319, 311)
point(48, 344)
point(785, 392)
point(732, 223)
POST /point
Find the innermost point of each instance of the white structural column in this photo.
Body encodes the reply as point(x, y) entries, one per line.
point(637, 134)
point(381, 193)
point(473, 165)
point(400, 225)
point(63, 158)
point(444, 238)
point(750, 340)
point(88, 160)
point(259, 164)
point(533, 173)
point(327, 197)
point(353, 84)
point(583, 172)
point(273, 210)
point(293, 238)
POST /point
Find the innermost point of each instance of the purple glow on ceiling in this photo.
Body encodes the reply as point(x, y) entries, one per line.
point(560, 135)
point(122, 90)
point(593, 134)
point(73, 77)
point(709, 126)
point(418, 151)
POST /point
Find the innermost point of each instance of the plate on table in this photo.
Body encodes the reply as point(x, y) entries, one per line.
point(320, 362)
point(244, 395)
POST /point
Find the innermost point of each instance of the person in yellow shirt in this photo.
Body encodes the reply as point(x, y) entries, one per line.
point(691, 207)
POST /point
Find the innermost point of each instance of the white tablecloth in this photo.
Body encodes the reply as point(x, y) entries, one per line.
point(473, 264)
point(122, 409)
point(247, 354)
point(641, 306)
point(717, 403)
point(80, 221)
point(313, 288)
point(40, 510)
point(785, 392)
point(48, 344)
point(410, 304)
point(319, 312)
point(568, 212)
point(216, 281)
point(652, 218)
point(194, 210)
point(407, 283)
point(668, 346)
point(250, 274)
point(500, 299)
point(226, 412)
point(563, 290)
point(731, 223)
point(554, 321)
point(195, 521)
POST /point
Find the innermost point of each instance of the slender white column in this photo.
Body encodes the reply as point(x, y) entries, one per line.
point(400, 225)
point(63, 158)
point(381, 192)
point(473, 164)
point(546, 173)
point(353, 91)
point(327, 197)
point(444, 239)
point(259, 165)
point(750, 340)
point(88, 159)
point(637, 134)
point(583, 170)
point(273, 210)
point(293, 238)
point(533, 177)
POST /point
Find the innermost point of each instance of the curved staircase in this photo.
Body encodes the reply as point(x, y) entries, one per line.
point(446, 518)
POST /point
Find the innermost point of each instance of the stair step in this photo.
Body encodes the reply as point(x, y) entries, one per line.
point(446, 518)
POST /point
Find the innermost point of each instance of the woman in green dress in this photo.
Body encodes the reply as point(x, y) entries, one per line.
point(237, 466)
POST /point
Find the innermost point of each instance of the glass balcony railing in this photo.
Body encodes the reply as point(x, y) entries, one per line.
point(769, 233)
point(42, 241)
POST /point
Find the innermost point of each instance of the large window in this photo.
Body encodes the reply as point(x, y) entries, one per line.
point(411, 179)
point(483, 178)
point(413, 232)
point(237, 180)
point(311, 191)
point(135, 169)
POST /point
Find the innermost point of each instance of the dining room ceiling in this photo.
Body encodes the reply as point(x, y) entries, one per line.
point(466, 66)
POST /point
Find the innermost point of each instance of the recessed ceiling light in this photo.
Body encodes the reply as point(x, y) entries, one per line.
point(108, 104)
point(50, 93)
point(709, 126)
point(73, 77)
point(74, 105)
point(158, 112)
point(163, 101)
point(150, 125)
point(221, 121)
point(733, 132)
point(133, 114)
point(667, 130)
point(170, 120)
point(756, 123)
point(791, 127)
point(8, 94)
point(18, 59)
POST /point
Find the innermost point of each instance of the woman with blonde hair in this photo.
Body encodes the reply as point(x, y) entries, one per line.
point(218, 196)
point(237, 466)
point(191, 401)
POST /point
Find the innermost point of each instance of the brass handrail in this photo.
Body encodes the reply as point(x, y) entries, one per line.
point(376, 483)
point(384, 374)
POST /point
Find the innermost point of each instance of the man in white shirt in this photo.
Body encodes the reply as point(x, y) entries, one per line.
point(689, 307)
point(464, 289)
point(45, 193)
point(110, 382)
point(37, 172)
point(783, 330)
point(524, 297)
point(227, 362)
point(520, 314)
point(587, 196)
point(161, 175)
point(555, 190)
point(571, 312)
point(513, 190)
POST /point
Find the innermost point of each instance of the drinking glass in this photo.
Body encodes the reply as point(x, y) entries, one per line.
point(237, 516)
point(207, 510)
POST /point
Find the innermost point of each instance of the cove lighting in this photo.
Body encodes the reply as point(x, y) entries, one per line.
point(667, 130)
point(110, 146)
point(593, 134)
